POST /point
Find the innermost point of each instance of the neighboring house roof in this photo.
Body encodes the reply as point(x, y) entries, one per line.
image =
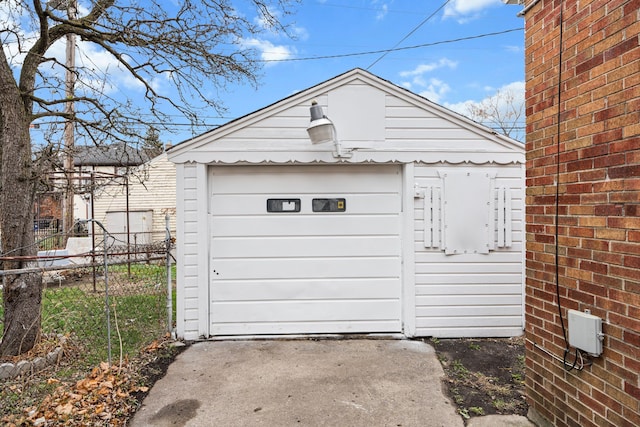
point(376, 119)
point(151, 187)
point(108, 155)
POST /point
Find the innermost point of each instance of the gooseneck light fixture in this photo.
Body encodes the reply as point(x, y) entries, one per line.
point(322, 130)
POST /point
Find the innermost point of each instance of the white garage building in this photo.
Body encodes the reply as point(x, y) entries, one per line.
point(410, 222)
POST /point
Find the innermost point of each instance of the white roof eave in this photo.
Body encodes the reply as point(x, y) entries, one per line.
point(257, 156)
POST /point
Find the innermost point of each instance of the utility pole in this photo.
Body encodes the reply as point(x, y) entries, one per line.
point(69, 138)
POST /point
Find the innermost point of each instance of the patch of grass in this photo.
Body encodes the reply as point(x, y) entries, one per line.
point(473, 346)
point(67, 309)
point(139, 271)
point(459, 369)
point(499, 404)
point(518, 378)
point(457, 397)
point(12, 399)
point(138, 318)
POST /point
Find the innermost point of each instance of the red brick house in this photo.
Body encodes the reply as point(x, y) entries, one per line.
point(583, 208)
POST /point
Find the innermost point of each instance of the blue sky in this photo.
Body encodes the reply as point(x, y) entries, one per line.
point(454, 52)
point(339, 31)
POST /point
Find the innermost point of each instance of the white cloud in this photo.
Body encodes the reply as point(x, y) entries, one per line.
point(466, 10)
point(517, 88)
point(461, 107)
point(18, 31)
point(514, 88)
point(505, 99)
point(300, 33)
point(269, 51)
point(434, 90)
point(270, 27)
point(270, 22)
point(10, 11)
point(381, 8)
point(427, 68)
point(102, 72)
point(99, 71)
point(161, 82)
point(382, 12)
point(431, 88)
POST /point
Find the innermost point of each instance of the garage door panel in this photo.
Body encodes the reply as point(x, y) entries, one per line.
point(304, 311)
point(305, 180)
point(294, 225)
point(265, 290)
point(316, 327)
point(256, 204)
point(307, 268)
point(304, 246)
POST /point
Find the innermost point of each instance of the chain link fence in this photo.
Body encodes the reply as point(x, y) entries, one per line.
point(109, 300)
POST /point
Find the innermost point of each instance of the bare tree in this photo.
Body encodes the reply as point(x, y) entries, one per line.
point(196, 47)
point(503, 112)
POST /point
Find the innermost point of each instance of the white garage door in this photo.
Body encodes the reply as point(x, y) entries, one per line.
point(305, 249)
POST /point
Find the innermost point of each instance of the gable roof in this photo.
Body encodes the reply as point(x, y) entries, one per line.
point(378, 120)
point(108, 155)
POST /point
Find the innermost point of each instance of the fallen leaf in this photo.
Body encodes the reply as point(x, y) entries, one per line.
point(65, 409)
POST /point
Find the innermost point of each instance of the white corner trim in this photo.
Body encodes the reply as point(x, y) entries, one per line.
point(408, 252)
point(180, 324)
point(204, 263)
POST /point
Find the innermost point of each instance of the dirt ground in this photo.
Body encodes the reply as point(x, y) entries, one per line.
point(484, 376)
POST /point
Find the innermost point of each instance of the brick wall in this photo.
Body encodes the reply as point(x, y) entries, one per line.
point(589, 131)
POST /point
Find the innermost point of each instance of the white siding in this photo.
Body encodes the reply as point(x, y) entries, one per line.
point(152, 187)
point(470, 294)
point(411, 127)
point(188, 262)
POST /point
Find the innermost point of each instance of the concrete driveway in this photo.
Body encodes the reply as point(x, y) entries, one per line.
point(301, 383)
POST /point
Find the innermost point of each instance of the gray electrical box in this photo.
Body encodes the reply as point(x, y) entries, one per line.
point(585, 332)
